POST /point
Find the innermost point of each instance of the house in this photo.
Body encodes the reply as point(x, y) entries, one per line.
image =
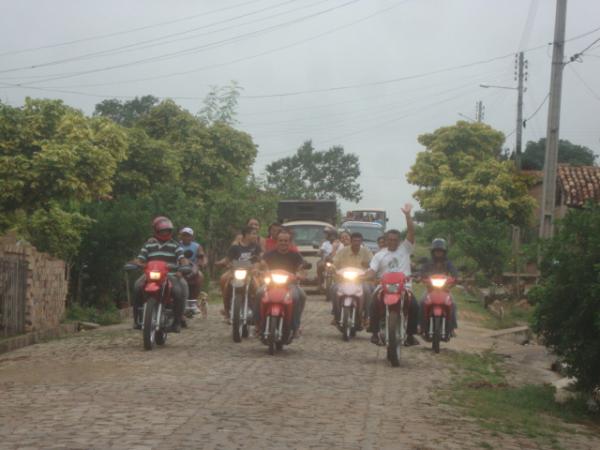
point(575, 186)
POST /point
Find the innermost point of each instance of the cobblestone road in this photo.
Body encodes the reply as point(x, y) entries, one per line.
point(101, 390)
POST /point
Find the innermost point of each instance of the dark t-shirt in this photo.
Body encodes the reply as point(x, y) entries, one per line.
point(290, 262)
point(438, 267)
point(238, 252)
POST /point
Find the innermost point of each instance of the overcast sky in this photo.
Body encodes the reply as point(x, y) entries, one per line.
point(358, 73)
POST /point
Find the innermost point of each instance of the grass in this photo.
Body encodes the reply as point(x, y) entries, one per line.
point(471, 308)
point(105, 316)
point(481, 390)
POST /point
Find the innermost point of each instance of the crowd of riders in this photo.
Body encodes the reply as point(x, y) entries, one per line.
point(277, 252)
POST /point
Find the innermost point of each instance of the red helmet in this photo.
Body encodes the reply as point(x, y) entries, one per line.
point(163, 228)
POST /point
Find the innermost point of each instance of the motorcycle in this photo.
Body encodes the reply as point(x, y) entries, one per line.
point(276, 310)
point(394, 299)
point(241, 310)
point(438, 310)
point(348, 295)
point(156, 315)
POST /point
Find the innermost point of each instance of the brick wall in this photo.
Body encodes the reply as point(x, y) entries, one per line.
point(47, 284)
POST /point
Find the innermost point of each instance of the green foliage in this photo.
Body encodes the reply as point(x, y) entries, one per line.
point(125, 113)
point(460, 175)
point(53, 159)
point(577, 155)
point(220, 104)
point(107, 315)
point(481, 390)
point(311, 174)
point(568, 297)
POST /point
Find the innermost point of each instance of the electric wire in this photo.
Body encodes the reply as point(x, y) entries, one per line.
point(158, 40)
point(585, 84)
point(129, 31)
point(197, 49)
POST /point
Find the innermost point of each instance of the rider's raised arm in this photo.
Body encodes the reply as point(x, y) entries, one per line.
point(410, 225)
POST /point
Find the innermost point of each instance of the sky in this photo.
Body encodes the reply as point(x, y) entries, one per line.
point(369, 75)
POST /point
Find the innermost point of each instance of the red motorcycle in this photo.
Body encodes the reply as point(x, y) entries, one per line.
point(438, 310)
point(157, 315)
point(393, 299)
point(348, 295)
point(276, 309)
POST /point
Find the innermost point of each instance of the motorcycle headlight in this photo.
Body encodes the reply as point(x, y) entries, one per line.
point(438, 282)
point(279, 278)
point(240, 274)
point(267, 280)
point(350, 275)
point(328, 264)
point(155, 276)
point(393, 288)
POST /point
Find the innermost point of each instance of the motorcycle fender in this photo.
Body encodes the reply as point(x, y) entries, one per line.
point(152, 287)
point(276, 310)
point(438, 311)
point(238, 283)
point(391, 299)
point(348, 301)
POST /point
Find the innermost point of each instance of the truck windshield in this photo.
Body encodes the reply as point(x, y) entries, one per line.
point(369, 233)
point(308, 234)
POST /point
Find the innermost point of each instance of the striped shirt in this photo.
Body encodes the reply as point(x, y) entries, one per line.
point(169, 251)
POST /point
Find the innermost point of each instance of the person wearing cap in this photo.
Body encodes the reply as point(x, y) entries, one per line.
point(195, 253)
point(439, 264)
point(162, 247)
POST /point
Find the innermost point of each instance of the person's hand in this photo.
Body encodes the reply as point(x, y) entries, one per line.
point(407, 209)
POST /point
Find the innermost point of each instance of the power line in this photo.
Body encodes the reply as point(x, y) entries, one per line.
point(587, 86)
point(139, 44)
point(131, 30)
point(196, 49)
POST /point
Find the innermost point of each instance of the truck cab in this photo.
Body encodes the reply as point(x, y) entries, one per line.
point(308, 220)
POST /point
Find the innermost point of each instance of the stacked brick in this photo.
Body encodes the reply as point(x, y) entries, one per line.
point(46, 284)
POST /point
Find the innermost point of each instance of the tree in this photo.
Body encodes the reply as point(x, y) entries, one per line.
point(125, 113)
point(311, 174)
point(567, 314)
point(220, 104)
point(52, 160)
point(460, 175)
point(569, 153)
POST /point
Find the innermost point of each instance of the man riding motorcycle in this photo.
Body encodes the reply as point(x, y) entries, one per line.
point(353, 256)
point(282, 258)
point(195, 253)
point(395, 258)
point(162, 247)
point(438, 265)
point(326, 252)
point(247, 249)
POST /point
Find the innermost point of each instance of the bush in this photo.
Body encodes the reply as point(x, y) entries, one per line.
point(108, 315)
point(568, 299)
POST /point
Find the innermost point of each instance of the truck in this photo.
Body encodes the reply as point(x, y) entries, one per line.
point(308, 220)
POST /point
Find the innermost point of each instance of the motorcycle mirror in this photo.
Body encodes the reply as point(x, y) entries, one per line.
point(129, 266)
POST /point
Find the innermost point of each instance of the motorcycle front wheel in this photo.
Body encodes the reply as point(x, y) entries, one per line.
point(273, 326)
point(236, 322)
point(394, 338)
point(346, 331)
point(150, 319)
point(437, 333)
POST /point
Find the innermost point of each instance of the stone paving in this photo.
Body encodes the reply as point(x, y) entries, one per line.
point(101, 390)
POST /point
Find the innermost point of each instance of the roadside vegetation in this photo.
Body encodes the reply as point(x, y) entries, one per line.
point(481, 389)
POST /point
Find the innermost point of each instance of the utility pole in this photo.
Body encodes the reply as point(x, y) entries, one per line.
point(479, 111)
point(516, 230)
point(550, 160)
point(519, 129)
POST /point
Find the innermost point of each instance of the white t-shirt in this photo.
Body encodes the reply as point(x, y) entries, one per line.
point(386, 261)
point(326, 248)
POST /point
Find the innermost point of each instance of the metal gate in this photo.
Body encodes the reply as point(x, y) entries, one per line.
point(13, 284)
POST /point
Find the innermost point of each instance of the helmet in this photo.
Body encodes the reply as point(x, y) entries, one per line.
point(162, 223)
point(439, 244)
